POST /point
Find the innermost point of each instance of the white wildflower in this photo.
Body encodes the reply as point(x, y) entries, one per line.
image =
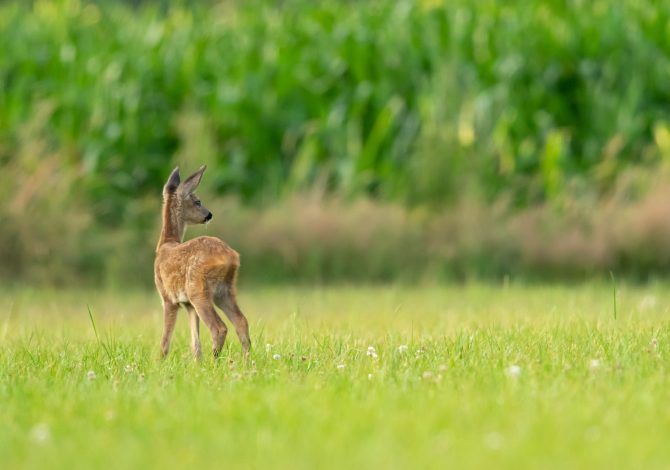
point(340, 366)
point(276, 357)
point(493, 440)
point(371, 352)
point(513, 371)
point(402, 348)
point(91, 375)
point(593, 433)
point(369, 376)
point(268, 346)
point(648, 302)
point(40, 433)
point(594, 364)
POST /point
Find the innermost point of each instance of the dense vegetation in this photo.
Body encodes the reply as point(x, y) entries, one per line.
point(402, 99)
point(419, 104)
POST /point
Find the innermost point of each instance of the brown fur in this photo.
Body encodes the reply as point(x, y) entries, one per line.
point(199, 273)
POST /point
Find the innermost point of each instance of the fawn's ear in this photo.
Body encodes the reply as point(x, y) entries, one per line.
point(192, 182)
point(173, 181)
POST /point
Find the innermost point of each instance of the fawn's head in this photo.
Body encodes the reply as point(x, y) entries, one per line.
point(181, 198)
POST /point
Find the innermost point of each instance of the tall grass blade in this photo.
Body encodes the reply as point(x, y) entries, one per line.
point(95, 330)
point(613, 293)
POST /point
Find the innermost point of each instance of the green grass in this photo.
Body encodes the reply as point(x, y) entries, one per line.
point(592, 391)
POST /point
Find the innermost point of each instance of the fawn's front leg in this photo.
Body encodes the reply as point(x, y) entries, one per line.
point(170, 318)
point(194, 323)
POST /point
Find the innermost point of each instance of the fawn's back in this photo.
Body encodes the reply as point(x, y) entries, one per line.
point(202, 266)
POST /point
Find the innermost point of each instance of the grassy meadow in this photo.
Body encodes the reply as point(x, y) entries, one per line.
point(472, 375)
point(427, 150)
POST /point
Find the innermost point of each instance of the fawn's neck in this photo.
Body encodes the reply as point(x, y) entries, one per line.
point(173, 225)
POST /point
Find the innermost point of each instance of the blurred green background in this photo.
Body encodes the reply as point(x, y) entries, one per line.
point(346, 141)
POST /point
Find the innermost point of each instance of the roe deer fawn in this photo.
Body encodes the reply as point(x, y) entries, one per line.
point(198, 273)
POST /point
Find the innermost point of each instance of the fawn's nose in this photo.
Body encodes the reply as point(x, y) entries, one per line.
point(208, 217)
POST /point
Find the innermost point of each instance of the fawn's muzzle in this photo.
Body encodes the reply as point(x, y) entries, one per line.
point(208, 217)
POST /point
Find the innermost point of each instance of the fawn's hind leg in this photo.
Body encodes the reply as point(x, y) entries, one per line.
point(228, 303)
point(213, 321)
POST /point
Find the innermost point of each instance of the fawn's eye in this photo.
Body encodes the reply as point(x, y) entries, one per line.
point(197, 203)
